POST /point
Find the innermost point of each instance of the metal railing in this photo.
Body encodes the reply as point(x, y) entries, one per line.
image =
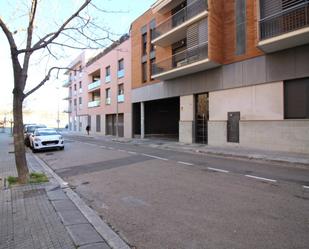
point(180, 17)
point(94, 103)
point(94, 85)
point(285, 21)
point(181, 59)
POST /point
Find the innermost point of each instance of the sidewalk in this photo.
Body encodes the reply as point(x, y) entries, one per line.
point(226, 151)
point(46, 216)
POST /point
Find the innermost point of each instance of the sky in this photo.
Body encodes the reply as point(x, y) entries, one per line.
point(117, 19)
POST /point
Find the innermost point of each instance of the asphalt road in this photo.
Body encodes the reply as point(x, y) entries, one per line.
point(158, 198)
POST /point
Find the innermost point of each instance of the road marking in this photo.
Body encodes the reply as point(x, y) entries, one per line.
point(306, 187)
point(185, 163)
point(261, 178)
point(104, 147)
point(90, 144)
point(132, 152)
point(156, 157)
point(218, 170)
point(111, 148)
point(122, 150)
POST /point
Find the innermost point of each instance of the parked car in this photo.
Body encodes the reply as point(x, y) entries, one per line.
point(46, 138)
point(29, 130)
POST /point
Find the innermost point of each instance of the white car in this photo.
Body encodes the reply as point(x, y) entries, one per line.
point(46, 138)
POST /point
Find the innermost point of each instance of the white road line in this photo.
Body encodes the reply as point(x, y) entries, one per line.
point(90, 144)
point(122, 150)
point(218, 170)
point(111, 148)
point(185, 163)
point(132, 152)
point(156, 157)
point(306, 187)
point(261, 178)
point(104, 147)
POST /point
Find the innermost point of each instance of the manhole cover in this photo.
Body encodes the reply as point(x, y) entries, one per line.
point(34, 192)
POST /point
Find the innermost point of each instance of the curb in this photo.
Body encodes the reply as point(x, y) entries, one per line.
point(111, 238)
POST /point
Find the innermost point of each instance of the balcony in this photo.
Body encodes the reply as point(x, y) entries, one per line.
point(286, 29)
point(191, 60)
point(164, 6)
point(67, 83)
point(108, 101)
point(120, 73)
point(175, 27)
point(107, 78)
point(94, 85)
point(68, 97)
point(69, 110)
point(94, 103)
point(120, 98)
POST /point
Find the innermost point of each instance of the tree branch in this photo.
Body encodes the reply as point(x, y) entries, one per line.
point(43, 42)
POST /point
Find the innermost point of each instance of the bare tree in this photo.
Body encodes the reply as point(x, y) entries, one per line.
point(78, 31)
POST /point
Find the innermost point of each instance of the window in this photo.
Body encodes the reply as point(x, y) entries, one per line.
point(75, 102)
point(144, 44)
point(152, 26)
point(144, 72)
point(120, 72)
point(152, 67)
point(74, 87)
point(240, 7)
point(120, 64)
point(120, 89)
point(80, 100)
point(108, 74)
point(80, 84)
point(296, 99)
point(108, 96)
point(108, 71)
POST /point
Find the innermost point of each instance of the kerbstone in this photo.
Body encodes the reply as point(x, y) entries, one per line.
point(56, 195)
point(95, 246)
point(62, 205)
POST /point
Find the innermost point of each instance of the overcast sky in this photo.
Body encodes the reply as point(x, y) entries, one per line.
point(13, 12)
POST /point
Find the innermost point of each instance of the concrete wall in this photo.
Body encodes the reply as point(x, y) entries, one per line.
point(287, 135)
point(279, 66)
point(260, 102)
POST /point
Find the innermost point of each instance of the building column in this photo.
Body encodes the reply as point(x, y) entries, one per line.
point(142, 120)
point(186, 123)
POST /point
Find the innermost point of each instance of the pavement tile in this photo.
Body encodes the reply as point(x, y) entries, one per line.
point(62, 205)
point(83, 234)
point(72, 217)
point(56, 195)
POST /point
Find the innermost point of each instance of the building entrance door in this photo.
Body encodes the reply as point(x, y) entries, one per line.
point(233, 127)
point(201, 118)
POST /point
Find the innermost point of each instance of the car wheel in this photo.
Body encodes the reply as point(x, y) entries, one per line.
point(34, 150)
point(61, 148)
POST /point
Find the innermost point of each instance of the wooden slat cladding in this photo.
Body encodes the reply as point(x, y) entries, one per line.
point(136, 36)
point(215, 30)
point(229, 32)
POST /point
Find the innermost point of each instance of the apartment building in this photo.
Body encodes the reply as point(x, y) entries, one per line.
point(224, 73)
point(101, 96)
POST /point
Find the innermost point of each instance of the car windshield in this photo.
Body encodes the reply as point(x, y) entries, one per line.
point(46, 133)
point(31, 129)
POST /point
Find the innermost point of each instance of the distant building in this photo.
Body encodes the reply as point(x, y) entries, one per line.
point(223, 73)
point(100, 91)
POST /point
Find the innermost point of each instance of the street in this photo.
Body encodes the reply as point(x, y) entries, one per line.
point(157, 198)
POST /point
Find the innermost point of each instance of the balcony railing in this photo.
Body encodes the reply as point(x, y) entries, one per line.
point(120, 98)
point(181, 17)
point(107, 78)
point(108, 101)
point(94, 85)
point(285, 21)
point(120, 73)
point(181, 59)
point(94, 103)
point(67, 83)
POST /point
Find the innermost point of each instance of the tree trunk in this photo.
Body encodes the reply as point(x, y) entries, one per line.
point(18, 131)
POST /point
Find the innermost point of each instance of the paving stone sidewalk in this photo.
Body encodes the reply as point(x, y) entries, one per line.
point(40, 216)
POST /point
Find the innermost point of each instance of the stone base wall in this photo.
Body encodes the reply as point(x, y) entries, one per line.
point(285, 135)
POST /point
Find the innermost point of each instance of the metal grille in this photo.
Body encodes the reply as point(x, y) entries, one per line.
point(290, 18)
point(193, 9)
